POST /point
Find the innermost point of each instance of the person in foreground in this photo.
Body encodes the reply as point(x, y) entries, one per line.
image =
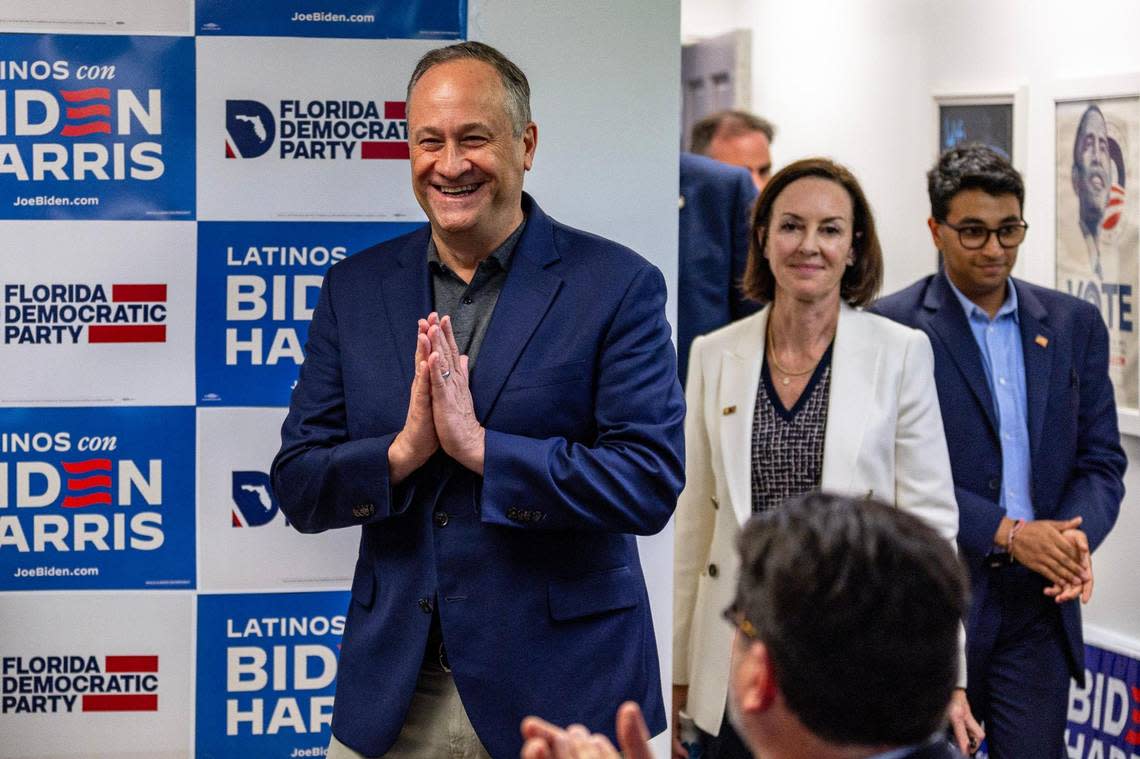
point(494, 400)
point(847, 614)
point(1022, 374)
point(809, 393)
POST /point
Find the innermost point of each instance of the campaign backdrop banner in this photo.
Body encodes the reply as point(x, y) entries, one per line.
point(258, 283)
point(96, 675)
point(1104, 714)
point(244, 540)
point(97, 498)
point(96, 127)
point(97, 313)
point(266, 673)
point(366, 19)
point(315, 131)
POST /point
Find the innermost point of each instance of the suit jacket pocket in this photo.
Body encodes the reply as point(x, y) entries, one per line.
point(595, 593)
point(574, 371)
point(363, 585)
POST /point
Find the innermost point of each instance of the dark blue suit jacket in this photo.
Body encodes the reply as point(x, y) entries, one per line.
point(535, 571)
point(1076, 460)
point(716, 215)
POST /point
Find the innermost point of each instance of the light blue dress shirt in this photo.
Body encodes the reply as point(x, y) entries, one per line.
point(999, 340)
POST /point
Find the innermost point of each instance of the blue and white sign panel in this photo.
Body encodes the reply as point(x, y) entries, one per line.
point(266, 673)
point(1104, 715)
point(97, 498)
point(361, 19)
point(258, 283)
point(97, 127)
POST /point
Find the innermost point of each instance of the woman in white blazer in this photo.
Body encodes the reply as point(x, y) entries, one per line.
point(810, 392)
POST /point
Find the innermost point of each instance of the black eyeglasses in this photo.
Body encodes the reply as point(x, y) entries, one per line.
point(975, 236)
point(735, 617)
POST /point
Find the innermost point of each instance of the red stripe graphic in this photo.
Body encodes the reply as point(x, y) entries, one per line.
point(1116, 202)
point(82, 501)
point(89, 110)
point(1111, 221)
point(134, 333)
point(78, 131)
point(126, 703)
point(137, 293)
point(131, 663)
point(94, 93)
point(95, 481)
point(88, 465)
point(384, 150)
point(395, 109)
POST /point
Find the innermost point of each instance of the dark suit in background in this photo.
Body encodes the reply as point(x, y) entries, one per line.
point(716, 214)
point(1076, 459)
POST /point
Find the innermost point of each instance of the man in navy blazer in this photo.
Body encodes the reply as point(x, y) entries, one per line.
point(494, 400)
point(714, 229)
point(1022, 376)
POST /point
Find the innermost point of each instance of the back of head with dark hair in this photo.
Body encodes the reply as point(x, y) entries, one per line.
point(516, 88)
point(861, 280)
point(859, 606)
point(971, 167)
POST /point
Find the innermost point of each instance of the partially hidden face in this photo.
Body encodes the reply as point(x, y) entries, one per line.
point(750, 150)
point(467, 163)
point(809, 239)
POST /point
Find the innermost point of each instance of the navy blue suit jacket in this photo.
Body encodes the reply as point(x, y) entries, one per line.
point(715, 218)
point(1076, 460)
point(535, 571)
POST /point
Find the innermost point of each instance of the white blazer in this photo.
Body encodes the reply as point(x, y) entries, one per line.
point(884, 439)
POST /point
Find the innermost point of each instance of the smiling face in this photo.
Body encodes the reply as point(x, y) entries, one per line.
point(980, 274)
point(809, 240)
point(467, 163)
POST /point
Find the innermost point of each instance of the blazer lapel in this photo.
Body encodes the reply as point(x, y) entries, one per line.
point(948, 322)
point(854, 372)
point(407, 298)
point(1036, 339)
point(736, 398)
point(526, 297)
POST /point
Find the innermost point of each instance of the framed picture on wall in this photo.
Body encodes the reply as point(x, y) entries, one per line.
point(1096, 163)
point(994, 118)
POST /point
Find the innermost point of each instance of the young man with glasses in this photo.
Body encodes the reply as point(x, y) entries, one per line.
point(1022, 376)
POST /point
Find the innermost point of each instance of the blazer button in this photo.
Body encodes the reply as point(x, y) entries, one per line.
point(713, 571)
point(715, 504)
point(513, 514)
point(440, 518)
point(425, 605)
point(994, 483)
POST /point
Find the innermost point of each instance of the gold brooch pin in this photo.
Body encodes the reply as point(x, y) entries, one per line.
point(1042, 341)
point(728, 410)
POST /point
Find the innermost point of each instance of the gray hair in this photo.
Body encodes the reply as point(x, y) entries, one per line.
point(516, 89)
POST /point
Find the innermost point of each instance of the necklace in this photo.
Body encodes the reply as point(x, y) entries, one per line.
point(787, 378)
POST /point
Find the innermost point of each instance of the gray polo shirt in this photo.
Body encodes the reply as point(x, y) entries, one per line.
point(470, 305)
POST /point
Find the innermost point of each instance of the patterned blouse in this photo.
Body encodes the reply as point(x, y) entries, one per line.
point(787, 444)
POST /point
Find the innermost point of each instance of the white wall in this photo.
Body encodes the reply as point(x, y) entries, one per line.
point(605, 95)
point(855, 81)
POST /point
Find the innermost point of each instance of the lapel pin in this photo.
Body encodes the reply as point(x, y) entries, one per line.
point(1042, 341)
point(728, 410)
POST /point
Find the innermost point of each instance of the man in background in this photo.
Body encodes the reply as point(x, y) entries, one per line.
point(737, 138)
point(847, 615)
point(1022, 376)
